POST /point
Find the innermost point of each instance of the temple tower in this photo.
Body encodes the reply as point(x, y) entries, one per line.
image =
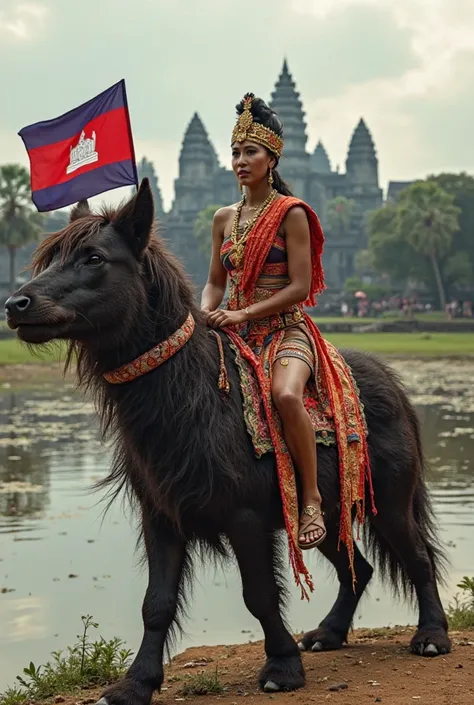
point(285, 101)
point(361, 162)
point(198, 164)
point(362, 179)
point(319, 160)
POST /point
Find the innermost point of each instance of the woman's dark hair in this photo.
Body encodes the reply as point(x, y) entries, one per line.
point(264, 115)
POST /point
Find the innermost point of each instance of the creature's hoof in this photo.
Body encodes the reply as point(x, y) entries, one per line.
point(321, 639)
point(271, 687)
point(102, 701)
point(430, 642)
point(282, 673)
point(431, 650)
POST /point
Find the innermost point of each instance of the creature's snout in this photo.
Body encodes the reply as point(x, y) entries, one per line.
point(16, 306)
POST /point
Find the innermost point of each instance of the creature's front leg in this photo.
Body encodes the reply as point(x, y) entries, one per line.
point(259, 558)
point(166, 554)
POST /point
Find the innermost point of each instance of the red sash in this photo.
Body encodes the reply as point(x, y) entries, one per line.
point(354, 465)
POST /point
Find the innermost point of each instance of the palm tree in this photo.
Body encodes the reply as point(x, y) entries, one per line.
point(203, 229)
point(19, 223)
point(427, 219)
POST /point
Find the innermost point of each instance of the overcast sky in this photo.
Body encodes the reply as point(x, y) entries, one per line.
point(407, 66)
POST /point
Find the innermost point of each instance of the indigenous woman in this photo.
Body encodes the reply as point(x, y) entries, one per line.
point(269, 246)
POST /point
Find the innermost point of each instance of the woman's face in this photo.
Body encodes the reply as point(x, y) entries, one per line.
point(251, 162)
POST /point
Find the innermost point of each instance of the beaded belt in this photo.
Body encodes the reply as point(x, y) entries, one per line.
point(258, 330)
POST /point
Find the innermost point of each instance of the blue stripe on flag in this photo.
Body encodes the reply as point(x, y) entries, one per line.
point(103, 178)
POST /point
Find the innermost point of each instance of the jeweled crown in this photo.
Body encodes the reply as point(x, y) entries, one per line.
point(247, 129)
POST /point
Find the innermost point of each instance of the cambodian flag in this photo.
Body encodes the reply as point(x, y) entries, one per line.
point(82, 153)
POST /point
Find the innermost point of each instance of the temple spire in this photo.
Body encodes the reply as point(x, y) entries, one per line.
point(320, 163)
point(197, 149)
point(198, 167)
point(362, 163)
point(285, 100)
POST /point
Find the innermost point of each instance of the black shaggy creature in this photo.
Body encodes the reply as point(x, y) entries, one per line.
point(108, 286)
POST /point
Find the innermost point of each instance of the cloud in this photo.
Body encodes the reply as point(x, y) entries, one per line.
point(440, 30)
point(418, 115)
point(22, 20)
point(407, 67)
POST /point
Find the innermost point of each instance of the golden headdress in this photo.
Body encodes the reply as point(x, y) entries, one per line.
point(247, 129)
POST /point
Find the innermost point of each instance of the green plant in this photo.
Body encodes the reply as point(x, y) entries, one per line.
point(202, 683)
point(86, 664)
point(461, 611)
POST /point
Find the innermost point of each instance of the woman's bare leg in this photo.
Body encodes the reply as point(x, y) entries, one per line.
point(288, 383)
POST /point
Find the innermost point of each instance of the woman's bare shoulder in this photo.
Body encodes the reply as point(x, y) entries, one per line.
point(295, 219)
point(225, 212)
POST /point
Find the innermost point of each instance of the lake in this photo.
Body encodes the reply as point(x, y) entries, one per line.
point(61, 558)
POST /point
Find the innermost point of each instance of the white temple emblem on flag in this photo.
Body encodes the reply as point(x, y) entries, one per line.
point(83, 153)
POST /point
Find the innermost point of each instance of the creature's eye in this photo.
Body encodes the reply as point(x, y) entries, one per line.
point(94, 260)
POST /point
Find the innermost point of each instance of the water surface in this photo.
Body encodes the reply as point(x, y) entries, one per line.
point(60, 558)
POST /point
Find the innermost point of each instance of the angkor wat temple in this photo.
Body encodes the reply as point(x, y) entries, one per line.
point(202, 181)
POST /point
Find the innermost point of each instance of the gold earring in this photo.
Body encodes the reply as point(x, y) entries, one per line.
point(270, 177)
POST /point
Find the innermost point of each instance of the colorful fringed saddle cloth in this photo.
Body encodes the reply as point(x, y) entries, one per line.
point(346, 429)
point(315, 399)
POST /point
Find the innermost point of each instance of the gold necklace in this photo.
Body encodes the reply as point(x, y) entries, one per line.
point(250, 208)
point(238, 240)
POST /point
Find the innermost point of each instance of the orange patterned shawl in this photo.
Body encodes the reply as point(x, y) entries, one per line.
point(354, 465)
point(260, 241)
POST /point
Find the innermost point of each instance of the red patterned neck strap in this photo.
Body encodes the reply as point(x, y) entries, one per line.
point(154, 357)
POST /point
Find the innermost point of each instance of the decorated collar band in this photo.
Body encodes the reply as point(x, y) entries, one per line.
point(154, 357)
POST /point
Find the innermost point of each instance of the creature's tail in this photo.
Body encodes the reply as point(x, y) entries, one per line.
point(391, 566)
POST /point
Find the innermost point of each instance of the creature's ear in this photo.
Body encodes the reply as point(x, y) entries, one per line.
point(80, 210)
point(135, 219)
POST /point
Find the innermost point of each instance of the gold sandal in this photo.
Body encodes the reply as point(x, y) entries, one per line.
point(314, 514)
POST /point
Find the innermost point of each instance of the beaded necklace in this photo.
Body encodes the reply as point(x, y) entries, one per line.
point(239, 239)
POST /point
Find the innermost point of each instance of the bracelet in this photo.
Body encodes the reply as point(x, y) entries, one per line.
point(247, 311)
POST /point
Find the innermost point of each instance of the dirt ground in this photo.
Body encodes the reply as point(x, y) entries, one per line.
point(376, 667)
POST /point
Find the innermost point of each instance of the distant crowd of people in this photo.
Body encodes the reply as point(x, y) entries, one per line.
point(362, 307)
point(459, 309)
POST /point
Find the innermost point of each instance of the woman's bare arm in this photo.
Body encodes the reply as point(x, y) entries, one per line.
point(214, 291)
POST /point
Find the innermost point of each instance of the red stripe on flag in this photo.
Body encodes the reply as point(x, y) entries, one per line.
point(49, 163)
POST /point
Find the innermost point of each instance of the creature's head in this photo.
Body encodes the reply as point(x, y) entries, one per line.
point(90, 279)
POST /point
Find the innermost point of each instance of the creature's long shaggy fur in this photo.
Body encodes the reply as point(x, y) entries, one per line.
point(181, 446)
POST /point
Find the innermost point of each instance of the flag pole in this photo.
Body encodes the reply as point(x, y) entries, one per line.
point(129, 125)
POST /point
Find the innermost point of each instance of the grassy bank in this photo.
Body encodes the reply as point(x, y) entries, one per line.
point(433, 317)
point(21, 367)
point(407, 344)
point(13, 352)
